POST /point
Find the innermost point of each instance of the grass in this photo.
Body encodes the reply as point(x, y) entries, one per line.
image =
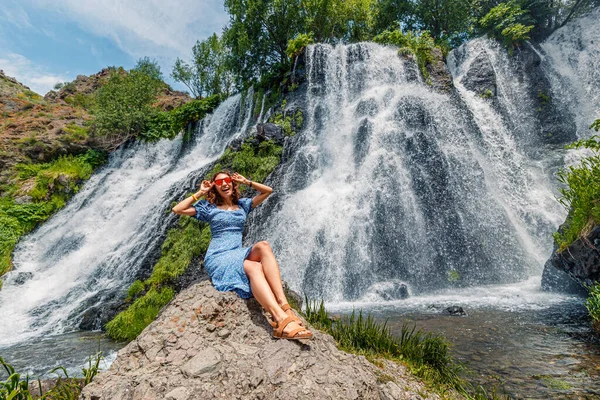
point(53, 184)
point(66, 388)
point(131, 322)
point(426, 355)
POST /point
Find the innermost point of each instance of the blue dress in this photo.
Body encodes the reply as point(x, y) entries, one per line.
point(224, 260)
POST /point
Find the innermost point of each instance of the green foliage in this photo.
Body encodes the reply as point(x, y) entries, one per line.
point(150, 68)
point(65, 388)
point(487, 94)
point(76, 132)
point(507, 22)
point(209, 74)
point(253, 162)
point(128, 324)
point(183, 243)
point(135, 289)
point(445, 20)
point(453, 275)
point(296, 45)
point(592, 303)
point(595, 125)
point(421, 45)
point(168, 124)
point(82, 100)
point(123, 104)
point(580, 195)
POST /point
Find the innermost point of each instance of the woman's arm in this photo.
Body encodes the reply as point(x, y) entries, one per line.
point(264, 190)
point(185, 207)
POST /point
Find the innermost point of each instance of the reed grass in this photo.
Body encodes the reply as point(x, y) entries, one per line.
point(66, 388)
point(427, 355)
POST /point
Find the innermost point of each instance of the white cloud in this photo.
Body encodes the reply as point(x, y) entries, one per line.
point(154, 28)
point(14, 14)
point(29, 74)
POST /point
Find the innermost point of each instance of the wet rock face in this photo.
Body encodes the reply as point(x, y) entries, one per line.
point(581, 260)
point(481, 77)
point(207, 344)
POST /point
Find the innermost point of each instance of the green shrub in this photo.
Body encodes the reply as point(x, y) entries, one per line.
point(581, 194)
point(128, 324)
point(507, 22)
point(296, 45)
point(168, 124)
point(123, 104)
point(255, 163)
point(82, 100)
point(420, 44)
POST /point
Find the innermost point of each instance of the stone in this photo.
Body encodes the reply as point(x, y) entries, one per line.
point(181, 393)
point(224, 333)
point(270, 131)
point(244, 362)
point(454, 310)
point(205, 362)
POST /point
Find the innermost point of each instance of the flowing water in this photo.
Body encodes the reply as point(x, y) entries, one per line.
point(395, 188)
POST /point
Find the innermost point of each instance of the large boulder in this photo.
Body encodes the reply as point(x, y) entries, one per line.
point(581, 260)
point(207, 344)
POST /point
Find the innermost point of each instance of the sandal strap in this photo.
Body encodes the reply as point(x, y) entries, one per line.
point(281, 325)
point(286, 307)
point(294, 332)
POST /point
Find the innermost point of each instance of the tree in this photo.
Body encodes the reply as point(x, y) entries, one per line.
point(123, 104)
point(445, 19)
point(149, 67)
point(257, 36)
point(507, 22)
point(208, 74)
point(390, 14)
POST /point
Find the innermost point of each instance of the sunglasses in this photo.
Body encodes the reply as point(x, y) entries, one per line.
point(219, 182)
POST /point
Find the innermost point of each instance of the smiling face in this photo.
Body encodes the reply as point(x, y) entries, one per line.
point(224, 188)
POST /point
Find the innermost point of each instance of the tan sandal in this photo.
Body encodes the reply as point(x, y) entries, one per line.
point(294, 334)
point(286, 307)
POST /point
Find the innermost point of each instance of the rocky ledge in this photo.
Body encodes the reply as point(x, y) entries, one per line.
point(207, 345)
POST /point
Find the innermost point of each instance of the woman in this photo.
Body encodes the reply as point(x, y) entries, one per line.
point(247, 271)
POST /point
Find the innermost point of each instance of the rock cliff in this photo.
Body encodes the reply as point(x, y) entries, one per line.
point(207, 344)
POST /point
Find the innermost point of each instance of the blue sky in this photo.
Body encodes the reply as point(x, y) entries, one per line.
point(43, 42)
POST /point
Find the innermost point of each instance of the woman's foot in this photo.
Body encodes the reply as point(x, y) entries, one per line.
point(289, 328)
point(290, 312)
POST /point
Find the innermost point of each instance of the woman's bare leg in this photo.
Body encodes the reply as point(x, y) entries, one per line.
point(261, 252)
point(264, 295)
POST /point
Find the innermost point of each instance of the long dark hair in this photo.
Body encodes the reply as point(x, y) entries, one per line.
point(215, 198)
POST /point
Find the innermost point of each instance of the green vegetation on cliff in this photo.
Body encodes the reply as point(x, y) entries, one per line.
point(38, 191)
point(186, 243)
point(581, 193)
point(581, 197)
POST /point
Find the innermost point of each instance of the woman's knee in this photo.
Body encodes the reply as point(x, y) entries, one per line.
point(252, 267)
point(264, 246)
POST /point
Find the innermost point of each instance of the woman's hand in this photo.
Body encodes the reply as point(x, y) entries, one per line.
point(206, 186)
point(237, 178)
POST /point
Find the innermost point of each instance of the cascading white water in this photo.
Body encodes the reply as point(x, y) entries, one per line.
point(98, 242)
point(393, 181)
point(572, 60)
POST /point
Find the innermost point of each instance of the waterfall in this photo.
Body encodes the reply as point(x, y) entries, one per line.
point(390, 187)
point(90, 251)
point(392, 181)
